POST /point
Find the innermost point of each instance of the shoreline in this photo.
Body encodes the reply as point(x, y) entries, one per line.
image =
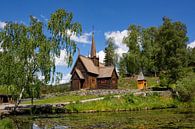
point(8, 114)
point(110, 103)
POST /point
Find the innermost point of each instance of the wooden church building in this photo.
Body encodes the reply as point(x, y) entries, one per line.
point(89, 73)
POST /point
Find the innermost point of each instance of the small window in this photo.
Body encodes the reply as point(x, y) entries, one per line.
point(103, 81)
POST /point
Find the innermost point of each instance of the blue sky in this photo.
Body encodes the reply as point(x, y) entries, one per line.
point(109, 17)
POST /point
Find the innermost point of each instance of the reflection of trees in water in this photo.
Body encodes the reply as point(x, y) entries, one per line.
point(21, 124)
point(173, 118)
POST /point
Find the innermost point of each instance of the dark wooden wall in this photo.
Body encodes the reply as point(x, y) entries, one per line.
point(75, 83)
point(114, 80)
point(108, 83)
point(90, 80)
point(104, 83)
point(88, 83)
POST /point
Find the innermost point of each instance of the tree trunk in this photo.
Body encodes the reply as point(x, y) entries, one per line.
point(32, 98)
point(19, 99)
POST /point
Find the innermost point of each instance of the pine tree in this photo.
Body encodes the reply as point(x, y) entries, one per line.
point(110, 55)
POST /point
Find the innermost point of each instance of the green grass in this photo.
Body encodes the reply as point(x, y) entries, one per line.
point(127, 83)
point(152, 81)
point(131, 83)
point(127, 102)
point(61, 99)
point(6, 124)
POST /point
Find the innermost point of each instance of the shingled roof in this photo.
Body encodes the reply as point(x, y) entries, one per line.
point(79, 73)
point(89, 65)
point(105, 72)
point(140, 76)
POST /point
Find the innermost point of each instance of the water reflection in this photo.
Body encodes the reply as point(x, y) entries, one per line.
point(173, 118)
point(54, 127)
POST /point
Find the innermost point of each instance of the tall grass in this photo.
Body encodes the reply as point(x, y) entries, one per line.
point(127, 102)
point(6, 124)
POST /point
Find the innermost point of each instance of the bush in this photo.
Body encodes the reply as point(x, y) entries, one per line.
point(127, 83)
point(130, 99)
point(186, 88)
point(6, 124)
point(47, 89)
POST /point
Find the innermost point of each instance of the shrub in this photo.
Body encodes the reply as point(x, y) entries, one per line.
point(6, 124)
point(130, 99)
point(186, 88)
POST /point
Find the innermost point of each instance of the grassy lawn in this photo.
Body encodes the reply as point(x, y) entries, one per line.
point(61, 99)
point(127, 102)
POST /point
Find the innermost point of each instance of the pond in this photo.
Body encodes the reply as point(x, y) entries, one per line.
point(171, 118)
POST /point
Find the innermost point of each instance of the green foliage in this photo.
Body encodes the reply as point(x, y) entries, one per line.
point(7, 124)
point(127, 83)
point(132, 58)
point(148, 54)
point(61, 26)
point(122, 67)
point(186, 88)
point(28, 53)
point(191, 54)
point(47, 89)
point(172, 52)
point(160, 51)
point(110, 55)
point(128, 102)
point(130, 99)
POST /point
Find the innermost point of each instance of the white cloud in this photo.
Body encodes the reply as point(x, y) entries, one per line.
point(65, 78)
point(118, 40)
point(120, 51)
point(191, 45)
point(2, 25)
point(61, 61)
point(44, 18)
point(84, 38)
point(101, 55)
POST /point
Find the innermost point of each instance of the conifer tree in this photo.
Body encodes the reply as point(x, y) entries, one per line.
point(110, 55)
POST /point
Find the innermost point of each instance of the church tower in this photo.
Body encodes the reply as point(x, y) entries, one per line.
point(93, 52)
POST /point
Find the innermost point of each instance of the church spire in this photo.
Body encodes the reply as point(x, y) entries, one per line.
point(93, 48)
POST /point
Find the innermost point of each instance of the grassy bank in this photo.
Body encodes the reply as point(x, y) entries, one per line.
point(61, 99)
point(6, 124)
point(127, 102)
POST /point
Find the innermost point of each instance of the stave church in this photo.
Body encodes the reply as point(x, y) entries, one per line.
point(89, 73)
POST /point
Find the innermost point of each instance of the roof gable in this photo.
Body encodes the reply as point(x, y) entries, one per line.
point(105, 72)
point(79, 73)
point(89, 65)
